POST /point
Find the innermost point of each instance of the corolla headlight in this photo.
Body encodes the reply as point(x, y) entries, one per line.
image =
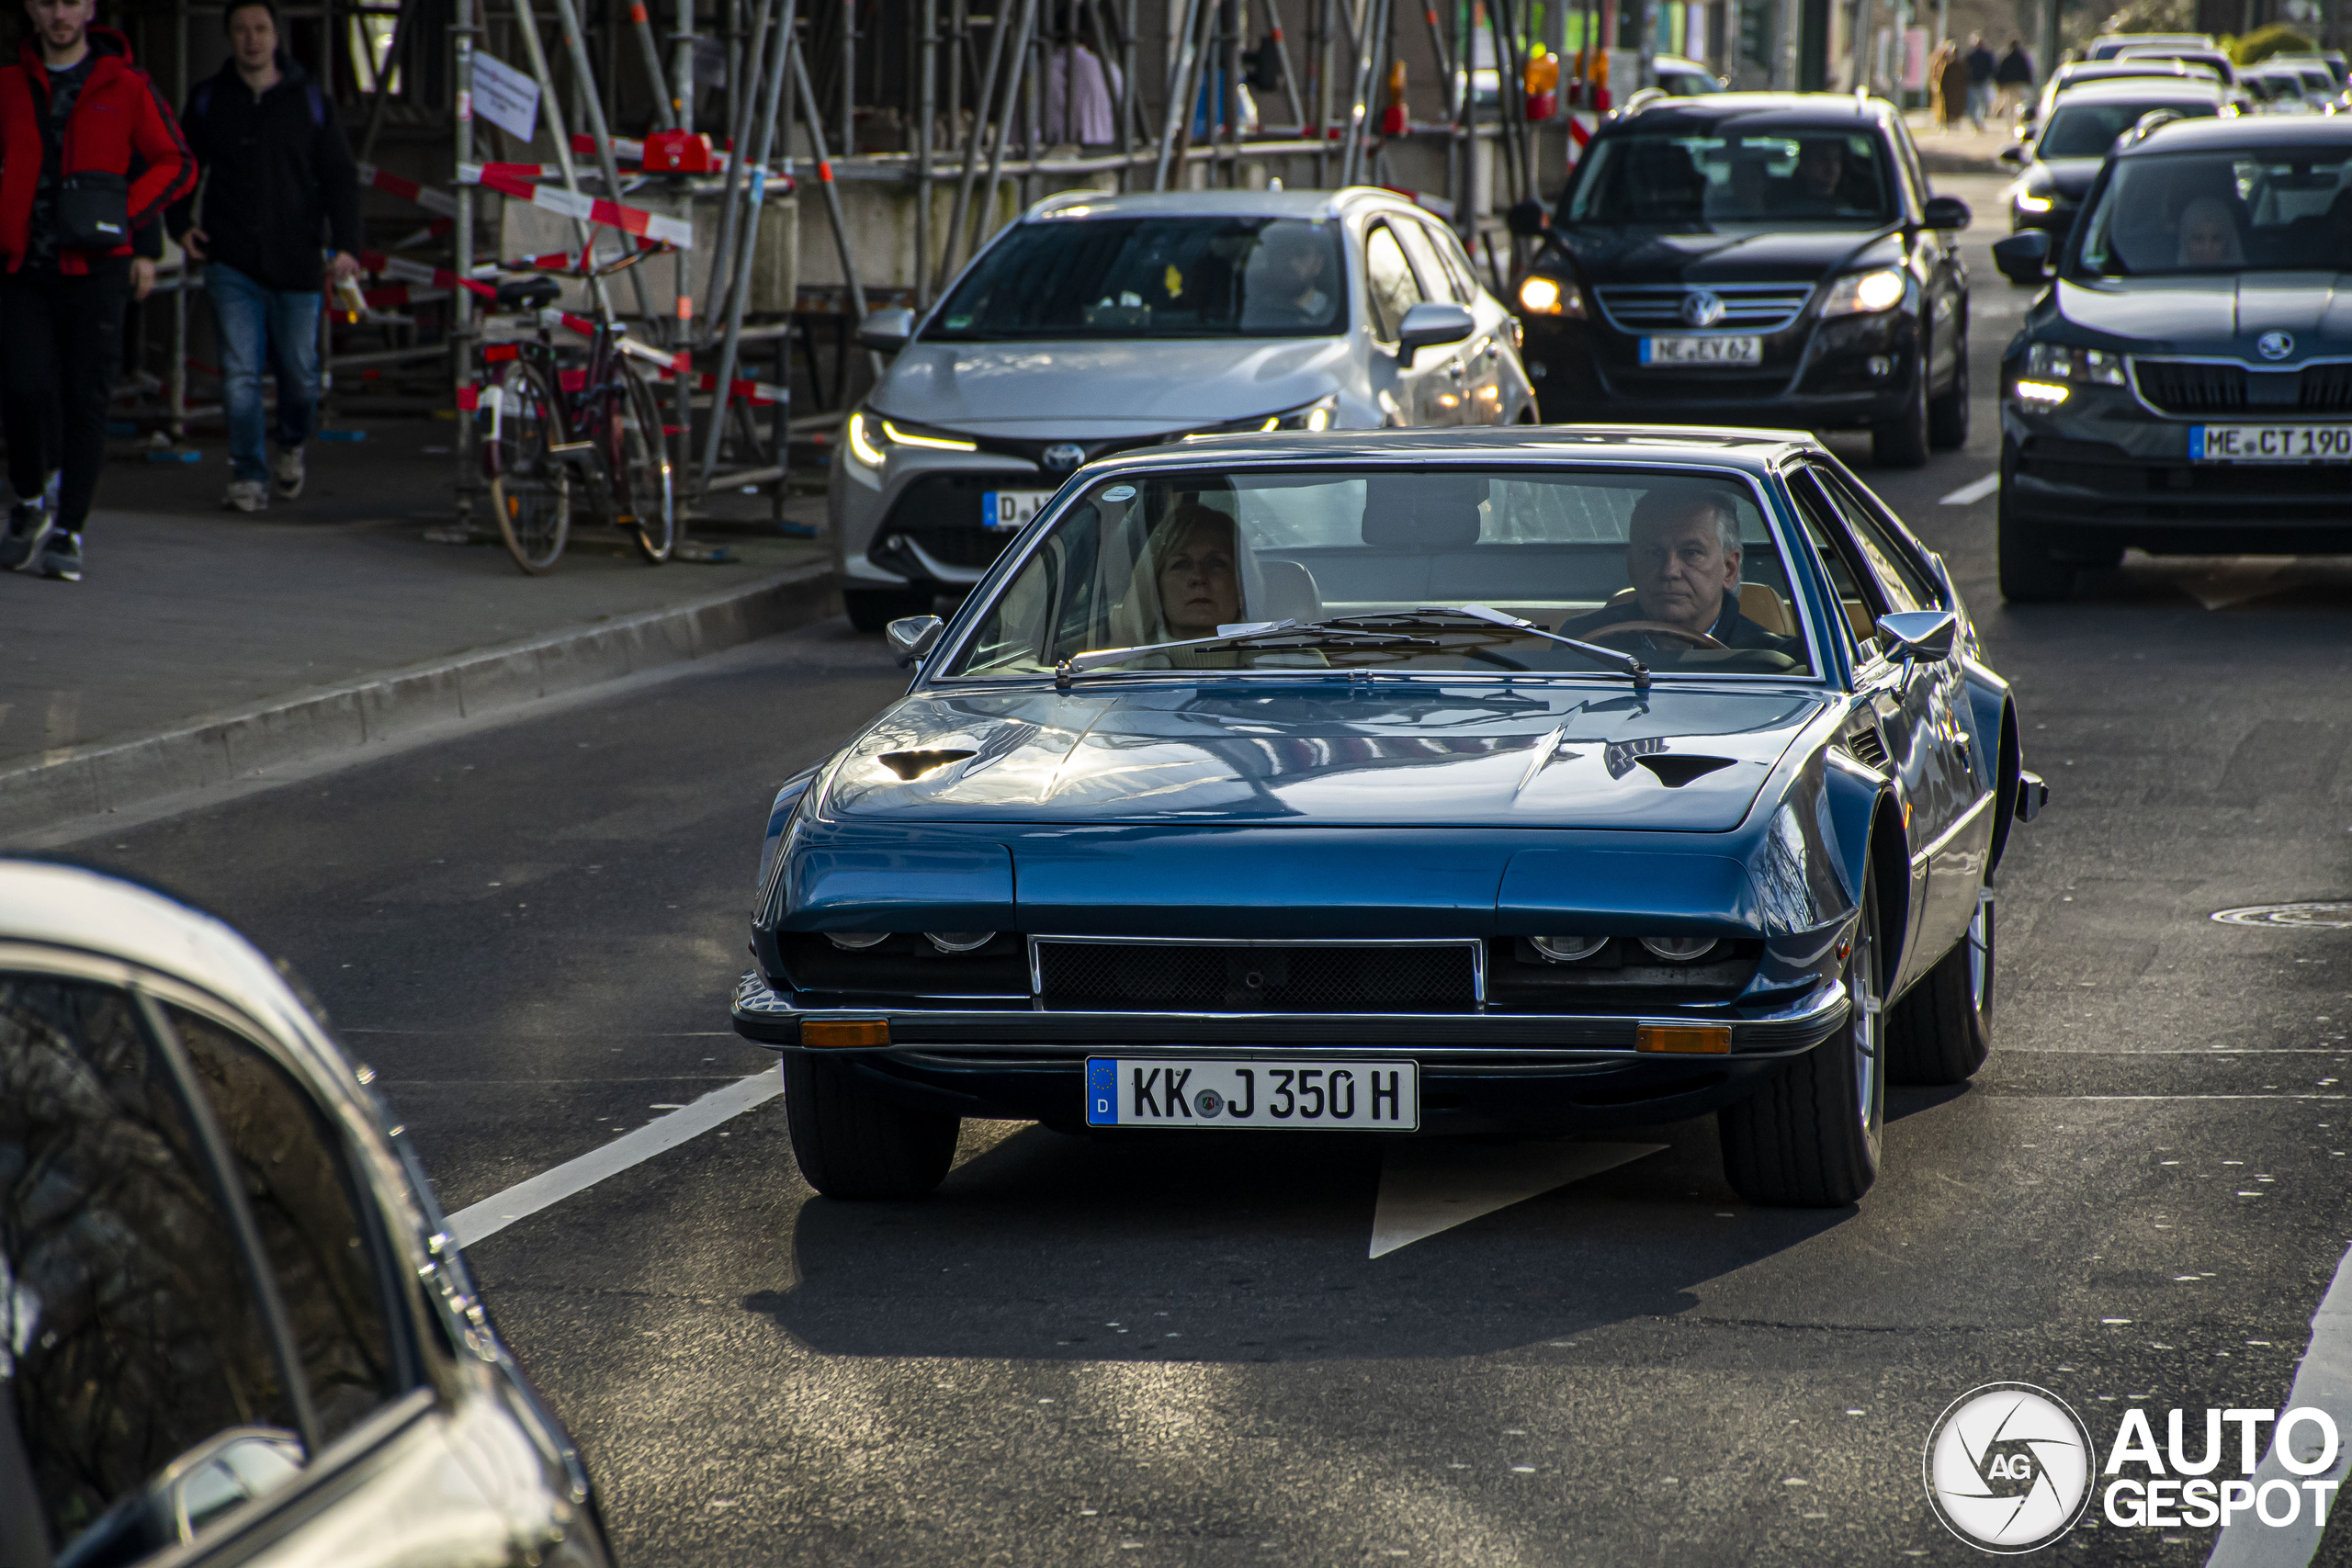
point(1542, 296)
point(2056, 362)
point(870, 437)
point(1864, 293)
point(1316, 415)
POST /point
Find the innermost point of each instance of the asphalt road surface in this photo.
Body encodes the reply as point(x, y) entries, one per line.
point(1184, 1350)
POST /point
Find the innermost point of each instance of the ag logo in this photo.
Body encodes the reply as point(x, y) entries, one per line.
point(2274, 346)
point(1064, 456)
point(1701, 308)
point(2008, 1468)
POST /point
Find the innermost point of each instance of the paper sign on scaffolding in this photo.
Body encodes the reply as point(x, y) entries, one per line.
point(505, 96)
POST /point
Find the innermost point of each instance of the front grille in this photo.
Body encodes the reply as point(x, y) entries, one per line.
point(2175, 386)
point(1182, 976)
point(1748, 307)
point(2327, 388)
point(941, 512)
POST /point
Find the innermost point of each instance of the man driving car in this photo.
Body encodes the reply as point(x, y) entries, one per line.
point(1682, 557)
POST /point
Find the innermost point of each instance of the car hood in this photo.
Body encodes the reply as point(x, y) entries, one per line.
point(1040, 390)
point(1643, 256)
point(1263, 751)
point(2215, 315)
point(2069, 177)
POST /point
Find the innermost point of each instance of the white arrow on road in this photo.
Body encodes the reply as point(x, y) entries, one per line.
point(1434, 1185)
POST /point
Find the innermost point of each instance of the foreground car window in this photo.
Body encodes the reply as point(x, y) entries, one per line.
point(1694, 184)
point(1177, 555)
point(2286, 209)
point(1152, 278)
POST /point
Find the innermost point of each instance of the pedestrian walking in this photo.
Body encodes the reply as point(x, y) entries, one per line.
point(76, 119)
point(280, 223)
point(1948, 76)
point(1980, 66)
point(2014, 76)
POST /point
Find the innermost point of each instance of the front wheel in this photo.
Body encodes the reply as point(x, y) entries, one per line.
point(1948, 415)
point(852, 1142)
point(1942, 1031)
point(647, 503)
point(2030, 572)
point(530, 489)
point(1902, 442)
point(1809, 1139)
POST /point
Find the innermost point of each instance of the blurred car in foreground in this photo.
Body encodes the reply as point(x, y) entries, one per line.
point(2083, 127)
point(2186, 384)
point(233, 1325)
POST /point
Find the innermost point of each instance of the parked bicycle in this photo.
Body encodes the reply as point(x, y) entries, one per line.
point(598, 427)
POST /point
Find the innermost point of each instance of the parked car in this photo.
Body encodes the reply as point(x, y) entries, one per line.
point(1438, 781)
point(2183, 386)
point(233, 1328)
point(1754, 258)
point(1099, 323)
point(2061, 162)
point(2082, 72)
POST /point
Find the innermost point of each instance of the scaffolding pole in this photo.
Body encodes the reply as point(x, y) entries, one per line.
point(747, 239)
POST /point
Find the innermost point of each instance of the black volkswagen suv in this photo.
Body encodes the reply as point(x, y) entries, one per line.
point(2186, 384)
point(1753, 259)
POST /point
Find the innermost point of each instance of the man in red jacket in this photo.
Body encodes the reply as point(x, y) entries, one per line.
point(75, 116)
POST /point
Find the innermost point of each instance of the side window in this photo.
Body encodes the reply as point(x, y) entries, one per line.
point(1903, 585)
point(1860, 608)
point(132, 1345)
point(1906, 158)
point(1428, 261)
point(308, 1209)
point(1393, 288)
point(1458, 262)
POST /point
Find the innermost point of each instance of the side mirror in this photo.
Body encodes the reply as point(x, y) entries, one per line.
point(1920, 635)
point(1431, 325)
point(886, 332)
point(2015, 152)
point(2024, 256)
point(912, 637)
point(1528, 219)
point(1948, 212)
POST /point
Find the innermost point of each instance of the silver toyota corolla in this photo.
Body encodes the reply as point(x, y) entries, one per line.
point(1101, 322)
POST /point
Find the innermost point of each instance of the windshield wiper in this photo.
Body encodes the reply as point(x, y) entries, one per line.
point(1625, 662)
point(1317, 634)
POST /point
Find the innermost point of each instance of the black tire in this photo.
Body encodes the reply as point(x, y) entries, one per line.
point(852, 1142)
point(651, 502)
point(530, 489)
point(1809, 1138)
point(1902, 442)
point(1941, 1032)
point(871, 609)
point(2030, 572)
point(1948, 415)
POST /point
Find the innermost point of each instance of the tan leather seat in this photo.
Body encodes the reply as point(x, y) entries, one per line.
point(1757, 600)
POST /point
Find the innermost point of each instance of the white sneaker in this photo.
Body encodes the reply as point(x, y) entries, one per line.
point(245, 495)
point(287, 474)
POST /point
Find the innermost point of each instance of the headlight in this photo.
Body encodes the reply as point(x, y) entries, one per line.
point(2028, 202)
point(1862, 293)
point(1542, 296)
point(861, 441)
point(1568, 949)
point(1680, 949)
point(2055, 361)
point(870, 438)
point(1320, 414)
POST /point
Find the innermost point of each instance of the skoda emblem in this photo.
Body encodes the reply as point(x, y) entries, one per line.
point(2274, 345)
point(1064, 456)
point(1703, 309)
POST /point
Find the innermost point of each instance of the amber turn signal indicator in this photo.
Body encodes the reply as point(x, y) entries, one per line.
point(1681, 1039)
point(873, 1032)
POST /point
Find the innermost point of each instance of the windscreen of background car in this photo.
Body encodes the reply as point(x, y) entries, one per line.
point(1152, 277)
point(2088, 130)
point(1161, 556)
point(2275, 210)
point(1694, 184)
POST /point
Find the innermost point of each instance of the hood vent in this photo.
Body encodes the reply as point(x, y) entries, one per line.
point(912, 765)
point(1675, 771)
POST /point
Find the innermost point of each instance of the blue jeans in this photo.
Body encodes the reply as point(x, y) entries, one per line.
point(254, 321)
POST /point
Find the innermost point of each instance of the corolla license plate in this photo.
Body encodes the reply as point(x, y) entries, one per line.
point(2270, 443)
point(1702, 351)
point(1003, 510)
point(1159, 1091)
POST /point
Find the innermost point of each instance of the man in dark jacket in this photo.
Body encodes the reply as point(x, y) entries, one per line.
point(1682, 553)
point(1980, 66)
point(279, 182)
point(76, 118)
point(2014, 76)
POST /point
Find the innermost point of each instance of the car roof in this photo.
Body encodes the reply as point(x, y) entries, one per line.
point(1772, 111)
point(2180, 90)
point(2228, 133)
point(2150, 67)
point(1218, 203)
point(1665, 446)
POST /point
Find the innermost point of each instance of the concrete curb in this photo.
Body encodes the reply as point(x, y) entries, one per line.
point(85, 782)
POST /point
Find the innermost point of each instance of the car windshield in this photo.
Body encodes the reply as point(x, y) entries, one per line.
point(2088, 130)
point(1696, 184)
point(1636, 562)
point(2273, 209)
point(1065, 277)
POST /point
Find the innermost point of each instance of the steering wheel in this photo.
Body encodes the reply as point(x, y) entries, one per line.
point(1620, 628)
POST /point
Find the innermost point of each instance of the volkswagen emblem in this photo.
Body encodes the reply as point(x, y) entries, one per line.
point(2274, 345)
point(1064, 456)
point(1703, 309)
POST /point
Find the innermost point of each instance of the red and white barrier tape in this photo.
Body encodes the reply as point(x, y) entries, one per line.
point(587, 208)
point(432, 200)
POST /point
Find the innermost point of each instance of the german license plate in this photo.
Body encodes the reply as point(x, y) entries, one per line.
point(2270, 443)
point(1005, 510)
point(1156, 1091)
point(1702, 351)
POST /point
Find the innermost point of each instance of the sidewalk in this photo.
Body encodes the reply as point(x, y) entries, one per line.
point(1961, 149)
point(290, 629)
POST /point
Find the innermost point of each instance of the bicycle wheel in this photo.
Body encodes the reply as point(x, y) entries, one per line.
point(645, 499)
point(529, 488)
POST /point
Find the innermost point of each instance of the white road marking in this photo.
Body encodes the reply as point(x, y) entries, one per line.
point(1972, 492)
point(2323, 1380)
point(549, 1188)
point(1428, 1186)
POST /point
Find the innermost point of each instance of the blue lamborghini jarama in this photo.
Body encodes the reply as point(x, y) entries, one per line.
point(1475, 781)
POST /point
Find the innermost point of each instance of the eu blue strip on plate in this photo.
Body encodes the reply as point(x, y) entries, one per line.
point(1102, 1093)
point(2196, 443)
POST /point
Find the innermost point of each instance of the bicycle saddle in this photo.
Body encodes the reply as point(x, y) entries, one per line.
point(530, 293)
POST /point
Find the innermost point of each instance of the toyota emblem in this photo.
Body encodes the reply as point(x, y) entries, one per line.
point(2274, 345)
point(1703, 309)
point(1064, 456)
